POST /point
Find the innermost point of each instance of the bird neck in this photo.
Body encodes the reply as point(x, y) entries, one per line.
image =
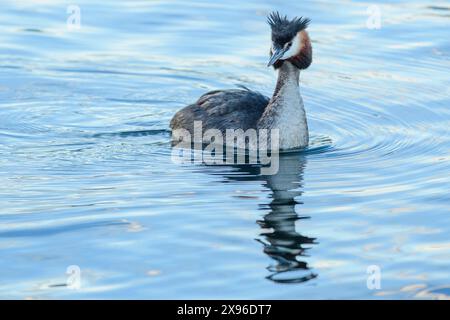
point(285, 110)
point(288, 80)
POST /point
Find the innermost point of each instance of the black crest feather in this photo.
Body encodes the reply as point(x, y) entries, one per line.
point(283, 29)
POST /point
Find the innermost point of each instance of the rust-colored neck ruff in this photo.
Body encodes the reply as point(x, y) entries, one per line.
point(304, 58)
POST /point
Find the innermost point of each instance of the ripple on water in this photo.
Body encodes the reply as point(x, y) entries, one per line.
point(87, 177)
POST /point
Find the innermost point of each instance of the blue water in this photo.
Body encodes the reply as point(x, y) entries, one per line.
point(87, 178)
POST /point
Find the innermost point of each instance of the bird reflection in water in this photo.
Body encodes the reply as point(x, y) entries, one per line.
point(287, 247)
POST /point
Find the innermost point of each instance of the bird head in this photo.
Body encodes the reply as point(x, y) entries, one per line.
point(290, 41)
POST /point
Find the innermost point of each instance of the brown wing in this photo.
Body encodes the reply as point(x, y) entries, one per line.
point(222, 109)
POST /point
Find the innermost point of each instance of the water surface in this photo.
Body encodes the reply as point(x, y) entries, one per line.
point(87, 179)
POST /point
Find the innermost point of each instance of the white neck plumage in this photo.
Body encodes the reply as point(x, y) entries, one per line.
point(285, 110)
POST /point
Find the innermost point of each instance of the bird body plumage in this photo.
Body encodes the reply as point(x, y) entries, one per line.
point(245, 109)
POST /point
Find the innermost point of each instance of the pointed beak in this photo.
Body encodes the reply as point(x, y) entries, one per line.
point(276, 55)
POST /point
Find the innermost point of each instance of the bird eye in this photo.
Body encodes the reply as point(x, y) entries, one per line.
point(288, 45)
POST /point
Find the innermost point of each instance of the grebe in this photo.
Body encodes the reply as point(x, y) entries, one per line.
point(244, 109)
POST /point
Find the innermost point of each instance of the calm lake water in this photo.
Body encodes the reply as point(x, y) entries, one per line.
point(87, 178)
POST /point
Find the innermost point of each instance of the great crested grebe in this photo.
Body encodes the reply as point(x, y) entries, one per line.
point(244, 109)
